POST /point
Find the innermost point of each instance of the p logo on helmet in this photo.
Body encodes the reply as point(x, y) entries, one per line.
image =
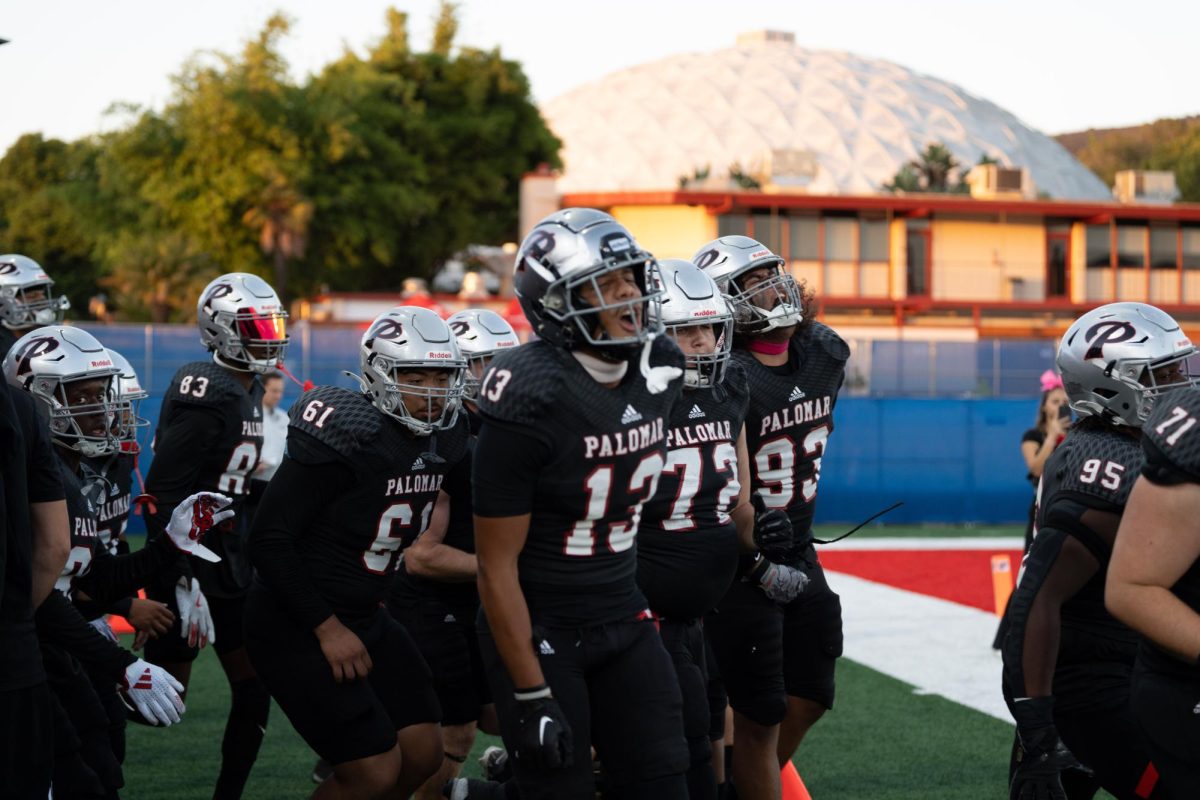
point(1108, 332)
point(34, 348)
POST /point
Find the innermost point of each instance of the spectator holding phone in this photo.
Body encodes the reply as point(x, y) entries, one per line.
point(1037, 443)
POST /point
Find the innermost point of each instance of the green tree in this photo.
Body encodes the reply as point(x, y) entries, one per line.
point(47, 187)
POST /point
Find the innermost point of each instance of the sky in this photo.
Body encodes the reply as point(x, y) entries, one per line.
point(1059, 65)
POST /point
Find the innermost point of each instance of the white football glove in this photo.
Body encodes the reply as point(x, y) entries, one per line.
point(779, 582)
point(153, 693)
point(101, 625)
point(195, 619)
point(193, 518)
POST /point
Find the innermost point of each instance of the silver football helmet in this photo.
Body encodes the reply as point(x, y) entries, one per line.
point(690, 298)
point(130, 395)
point(481, 334)
point(405, 339)
point(243, 323)
point(26, 296)
point(1117, 359)
point(46, 362)
point(567, 251)
point(758, 306)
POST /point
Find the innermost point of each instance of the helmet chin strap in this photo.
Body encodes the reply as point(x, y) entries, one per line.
point(658, 379)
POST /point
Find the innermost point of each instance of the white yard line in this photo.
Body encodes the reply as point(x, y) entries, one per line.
point(927, 543)
point(937, 646)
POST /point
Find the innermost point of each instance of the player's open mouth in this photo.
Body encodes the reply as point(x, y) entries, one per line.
point(629, 321)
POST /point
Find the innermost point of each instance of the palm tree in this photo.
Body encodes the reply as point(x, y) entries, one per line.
point(281, 217)
point(934, 165)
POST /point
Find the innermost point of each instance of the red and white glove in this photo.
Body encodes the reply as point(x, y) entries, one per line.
point(153, 692)
point(195, 517)
point(195, 619)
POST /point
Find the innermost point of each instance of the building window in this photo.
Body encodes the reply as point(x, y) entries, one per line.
point(1099, 246)
point(917, 253)
point(1131, 245)
point(804, 242)
point(767, 230)
point(839, 238)
point(873, 240)
point(1162, 246)
point(1191, 247)
point(732, 224)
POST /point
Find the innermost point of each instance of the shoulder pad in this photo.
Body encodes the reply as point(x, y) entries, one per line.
point(1098, 464)
point(520, 384)
point(342, 420)
point(833, 344)
point(1171, 438)
point(203, 383)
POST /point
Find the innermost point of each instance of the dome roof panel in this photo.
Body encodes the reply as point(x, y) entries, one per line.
point(643, 127)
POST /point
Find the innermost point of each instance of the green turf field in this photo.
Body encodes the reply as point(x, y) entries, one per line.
point(881, 742)
point(938, 531)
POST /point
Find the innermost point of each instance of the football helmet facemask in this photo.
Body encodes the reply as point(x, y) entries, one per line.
point(567, 251)
point(130, 395)
point(46, 362)
point(406, 339)
point(1117, 359)
point(26, 296)
point(243, 323)
point(729, 261)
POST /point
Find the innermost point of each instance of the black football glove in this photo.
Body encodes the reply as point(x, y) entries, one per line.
point(544, 735)
point(779, 582)
point(772, 530)
point(1042, 758)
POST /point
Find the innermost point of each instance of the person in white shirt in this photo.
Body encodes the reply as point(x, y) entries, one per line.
point(275, 424)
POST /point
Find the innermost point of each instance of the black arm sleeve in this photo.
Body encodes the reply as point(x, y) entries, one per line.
point(175, 469)
point(293, 498)
point(41, 465)
point(458, 482)
point(505, 468)
point(60, 623)
point(111, 578)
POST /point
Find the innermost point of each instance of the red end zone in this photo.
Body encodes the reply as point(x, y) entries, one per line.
point(961, 576)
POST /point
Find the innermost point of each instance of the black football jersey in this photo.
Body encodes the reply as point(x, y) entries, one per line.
point(1095, 467)
point(602, 454)
point(352, 548)
point(687, 544)
point(7, 340)
point(113, 478)
point(1171, 440)
point(463, 596)
point(209, 438)
point(82, 510)
point(791, 418)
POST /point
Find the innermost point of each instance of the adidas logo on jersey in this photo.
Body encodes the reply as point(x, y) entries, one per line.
point(631, 415)
point(450, 618)
point(545, 649)
point(419, 463)
point(256, 414)
point(796, 394)
point(696, 412)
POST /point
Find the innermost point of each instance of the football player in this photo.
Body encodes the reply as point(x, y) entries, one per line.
point(795, 367)
point(208, 439)
point(1067, 662)
point(1154, 586)
point(434, 595)
point(27, 299)
point(73, 377)
point(360, 480)
point(573, 442)
point(688, 540)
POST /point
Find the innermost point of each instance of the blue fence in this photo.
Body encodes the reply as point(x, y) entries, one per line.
point(950, 458)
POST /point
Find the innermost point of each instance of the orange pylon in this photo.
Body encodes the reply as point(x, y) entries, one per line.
point(793, 787)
